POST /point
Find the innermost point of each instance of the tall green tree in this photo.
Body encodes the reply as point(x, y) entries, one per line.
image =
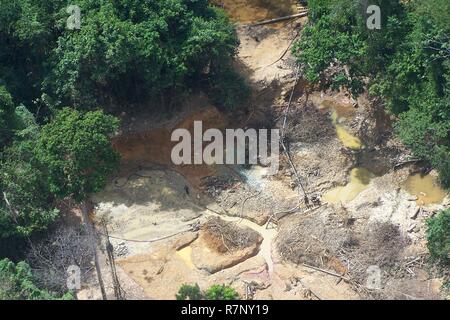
point(27, 204)
point(126, 52)
point(129, 51)
point(28, 32)
point(76, 152)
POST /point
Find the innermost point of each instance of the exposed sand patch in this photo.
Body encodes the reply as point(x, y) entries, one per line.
point(150, 205)
point(264, 54)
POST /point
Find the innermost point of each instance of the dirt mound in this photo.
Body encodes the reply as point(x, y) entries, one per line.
point(315, 242)
point(321, 159)
point(215, 185)
point(223, 236)
point(381, 244)
point(222, 245)
point(384, 242)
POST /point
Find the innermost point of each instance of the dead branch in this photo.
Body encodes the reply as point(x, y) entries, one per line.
point(286, 112)
point(327, 272)
point(14, 212)
point(246, 199)
point(270, 21)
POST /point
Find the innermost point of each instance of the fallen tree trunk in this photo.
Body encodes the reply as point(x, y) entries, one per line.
point(297, 15)
point(406, 162)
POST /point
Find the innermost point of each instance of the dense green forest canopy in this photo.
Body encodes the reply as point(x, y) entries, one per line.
point(126, 51)
point(406, 63)
point(57, 85)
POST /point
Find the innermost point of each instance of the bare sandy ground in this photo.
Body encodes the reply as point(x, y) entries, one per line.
point(154, 209)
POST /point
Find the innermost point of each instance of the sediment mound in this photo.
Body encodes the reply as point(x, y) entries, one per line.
point(227, 237)
point(223, 244)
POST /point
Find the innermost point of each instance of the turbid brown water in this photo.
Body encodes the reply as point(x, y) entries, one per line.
point(359, 180)
point(426, 188)
point(248, 11)
point(348, 140)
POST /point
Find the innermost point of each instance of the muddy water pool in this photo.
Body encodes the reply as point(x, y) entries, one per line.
point(248, 11)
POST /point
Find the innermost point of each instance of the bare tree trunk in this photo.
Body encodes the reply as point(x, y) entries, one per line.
point(110, 253)
point(93, 241)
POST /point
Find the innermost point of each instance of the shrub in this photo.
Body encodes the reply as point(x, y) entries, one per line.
point(215, 292)
point(221, 292)
point(438, 236)
point(189, 292)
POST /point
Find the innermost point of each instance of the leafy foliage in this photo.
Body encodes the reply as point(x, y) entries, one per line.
point(221, 292)
point(71, 155)
point(6, 116)
point(215, 292)
point(438, 236)
point(189, 292)
point(76, 151)
point(17, 283)
point(24, 184)
point(28, 33)
point(406, 63)
point(126, 52)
